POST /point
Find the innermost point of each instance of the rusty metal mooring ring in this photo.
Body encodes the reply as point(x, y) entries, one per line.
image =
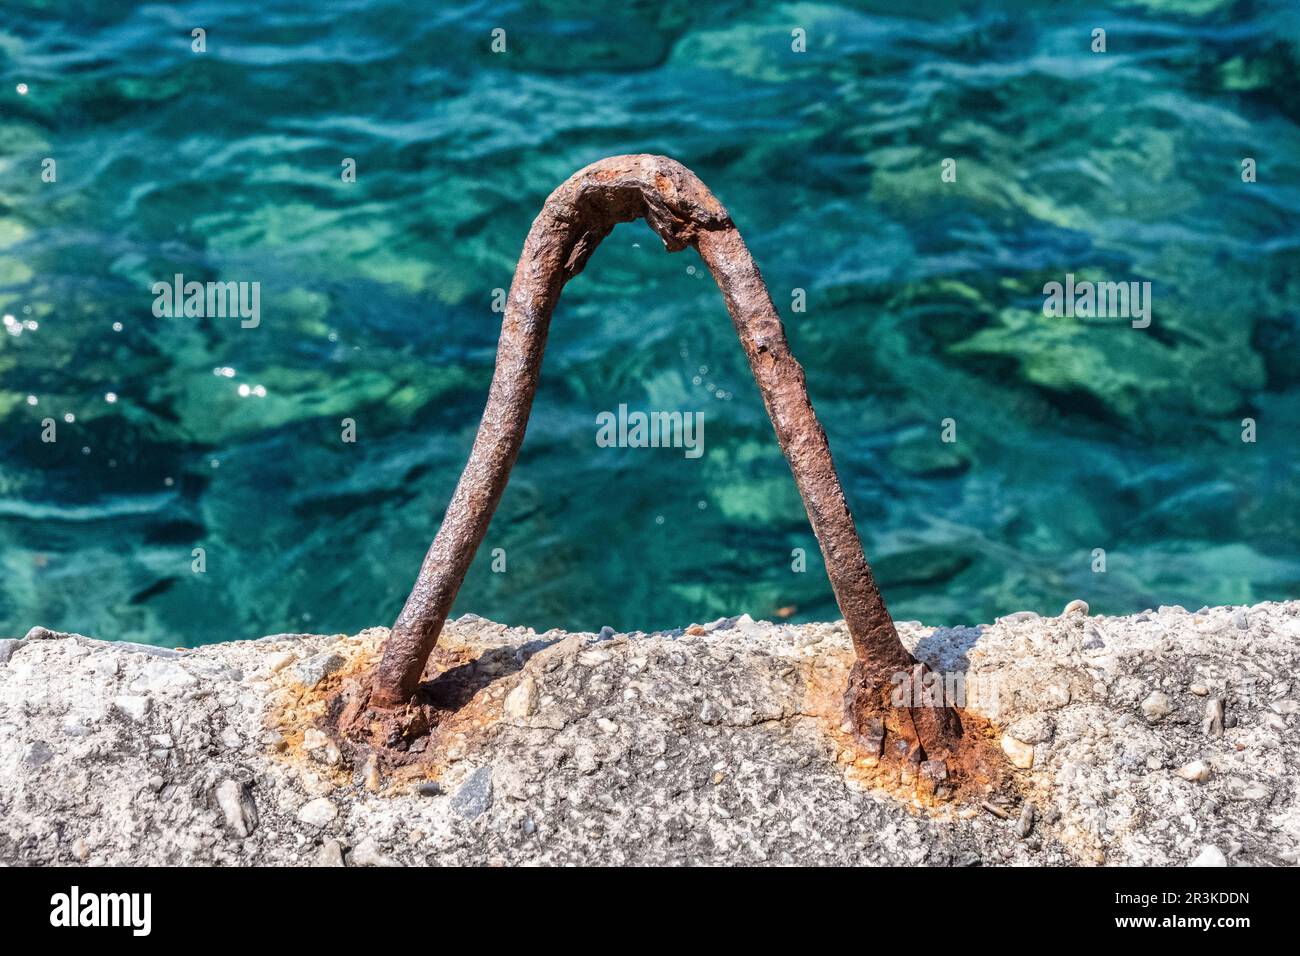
point(680, 208)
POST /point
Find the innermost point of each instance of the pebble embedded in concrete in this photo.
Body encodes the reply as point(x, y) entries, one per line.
point(278, 662)
point(474, 795)
point(317, 667)
point(369, 853)
point(1156, 705)
point(1018, 752)
point(238, 807)
point(133, 706)
point(38, 754)
point(318, 812)
point(1197, 771)
point(330, 853)
point(1210, 856)
point(521, 702)
point(1212, 725)
point(1026, 822)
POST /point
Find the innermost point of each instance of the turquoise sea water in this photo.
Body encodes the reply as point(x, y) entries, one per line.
point(923, 303)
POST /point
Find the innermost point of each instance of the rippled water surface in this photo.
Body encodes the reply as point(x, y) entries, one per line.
point(923, 303)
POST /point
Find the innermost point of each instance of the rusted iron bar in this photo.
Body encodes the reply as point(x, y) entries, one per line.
point(680, 208)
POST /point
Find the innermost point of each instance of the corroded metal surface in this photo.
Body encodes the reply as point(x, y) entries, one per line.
point(575, 218)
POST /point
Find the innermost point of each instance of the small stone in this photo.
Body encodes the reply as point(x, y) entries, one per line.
point(149, 650)
point(1033, 728)
point(1200, 690)
point(606, 725)
point(38, 754)
point(163, 677)
point(1239, 789)
point(370, 773)
point(162, 740)
point(1197, 771)
point(330, 854)
point(1054, 696)
point(1240, 620)
point(315, 784)
point(316, 668)
point(236, 803)
point(1156, 706)
point(313, 739)
point(318, 812)
point(1020, 753)
point(278, 662)
point(522, 701)
point(428, 788)
point(1210, 856)
point(605, 634)
point(1018, 616)
point(995, 810)
point(1076, 606)
point(368, 853)
point(1212, 725)
point(474, 795)
point(7, 648)
point(584, 757)
point(132, 706)
point(1026, 822)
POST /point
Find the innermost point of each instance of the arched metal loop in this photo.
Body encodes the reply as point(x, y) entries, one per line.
point(680, 208)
